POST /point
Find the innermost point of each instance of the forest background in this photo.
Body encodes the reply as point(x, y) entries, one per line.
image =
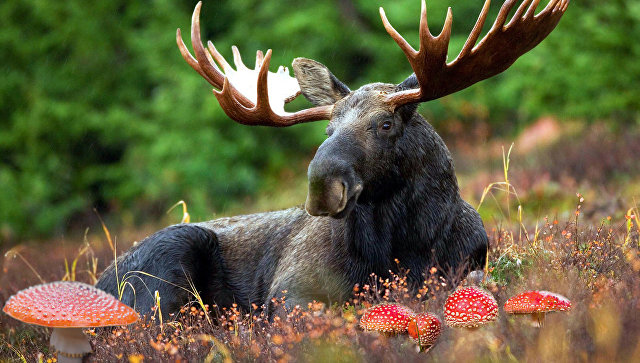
point(99, 111)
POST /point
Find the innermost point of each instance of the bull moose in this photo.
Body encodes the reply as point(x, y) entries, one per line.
point(382, 185)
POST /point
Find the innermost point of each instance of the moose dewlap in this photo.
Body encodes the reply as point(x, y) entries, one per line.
point(382, 185)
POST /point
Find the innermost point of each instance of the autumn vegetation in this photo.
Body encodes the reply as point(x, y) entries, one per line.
point(103, 128)
point(589, 252)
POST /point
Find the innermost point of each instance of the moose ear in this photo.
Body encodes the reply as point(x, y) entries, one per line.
point(317, 83)
point(409, 109)
point(410, 83)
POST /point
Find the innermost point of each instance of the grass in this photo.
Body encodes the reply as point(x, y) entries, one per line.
point(573, 247)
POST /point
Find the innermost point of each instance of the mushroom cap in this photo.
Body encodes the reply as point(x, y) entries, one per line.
point(66, 304)
point(387, 318)
point(530, 302)
point(470, 307)
point(425, 329)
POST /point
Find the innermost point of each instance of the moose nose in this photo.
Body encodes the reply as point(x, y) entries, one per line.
point(334, 183)
point(326, 197)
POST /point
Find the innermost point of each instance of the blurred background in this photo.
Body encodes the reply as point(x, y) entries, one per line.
point(99, 111)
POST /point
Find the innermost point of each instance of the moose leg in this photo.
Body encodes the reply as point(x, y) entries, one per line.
point(177, 262)
point(470, 234)
point(465, 248)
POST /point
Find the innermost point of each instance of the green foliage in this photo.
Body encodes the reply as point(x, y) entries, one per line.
point(508, 269)
point(584, 70)
point(97, 108)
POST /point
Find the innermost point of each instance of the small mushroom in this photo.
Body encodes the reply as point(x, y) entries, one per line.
point(425, 329)
point(469, 307)
point(537, 304)
point(387, 318)
point(67, 307)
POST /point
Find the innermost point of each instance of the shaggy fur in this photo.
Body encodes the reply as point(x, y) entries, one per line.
point(397, 198)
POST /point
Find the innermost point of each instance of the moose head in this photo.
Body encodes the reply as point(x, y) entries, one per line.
point(369, 129)
point(383, 174)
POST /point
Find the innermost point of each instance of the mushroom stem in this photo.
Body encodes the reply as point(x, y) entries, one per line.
point(70, 343)
point(537, 319)
point(67, 307)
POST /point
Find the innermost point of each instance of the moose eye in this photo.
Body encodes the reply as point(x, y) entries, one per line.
point(386, 125)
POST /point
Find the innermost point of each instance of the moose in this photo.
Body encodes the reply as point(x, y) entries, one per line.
point(382, 194)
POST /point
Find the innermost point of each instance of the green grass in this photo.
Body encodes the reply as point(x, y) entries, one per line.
point(585, 247)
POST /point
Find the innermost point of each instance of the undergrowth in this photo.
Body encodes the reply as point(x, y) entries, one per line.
point(594, 262)
point(596, 266)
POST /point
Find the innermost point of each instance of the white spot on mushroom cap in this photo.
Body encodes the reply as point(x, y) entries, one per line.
point(68, 304)
point(425, 329)
point(386, 318)
point(536, 302)
point(470, 307)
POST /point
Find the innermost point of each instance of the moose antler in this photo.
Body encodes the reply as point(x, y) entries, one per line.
point(257, 96)
point(249, 96)
point(502, 45)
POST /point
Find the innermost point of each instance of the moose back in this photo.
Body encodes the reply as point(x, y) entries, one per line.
point(382, 185)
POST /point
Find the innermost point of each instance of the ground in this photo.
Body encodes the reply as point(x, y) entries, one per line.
point(568, 224)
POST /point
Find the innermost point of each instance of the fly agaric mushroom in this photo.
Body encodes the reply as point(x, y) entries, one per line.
point(470, 307)
point(537, 304)
point(387, 318)
point(67, 307)
point(425, 329)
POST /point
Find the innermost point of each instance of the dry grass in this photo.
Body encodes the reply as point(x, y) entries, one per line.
point(597, 267)
point(594, 262)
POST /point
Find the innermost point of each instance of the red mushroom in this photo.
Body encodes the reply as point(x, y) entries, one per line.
point(425, 329)
point(67, 307)
point(387, 318)
point(536, 304)
point(470, 307)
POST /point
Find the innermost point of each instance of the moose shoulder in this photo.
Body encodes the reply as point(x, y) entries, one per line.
point(382, 185)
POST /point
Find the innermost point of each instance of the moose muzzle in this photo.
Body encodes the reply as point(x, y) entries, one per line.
point(334, 186)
